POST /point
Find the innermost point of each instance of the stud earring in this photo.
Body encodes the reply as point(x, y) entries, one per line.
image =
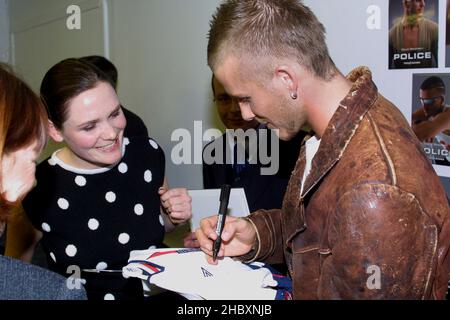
point(294, 95)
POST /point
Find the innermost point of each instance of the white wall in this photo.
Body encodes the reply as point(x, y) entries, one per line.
point(4, 31)
point(159, 47)
point(40, 36)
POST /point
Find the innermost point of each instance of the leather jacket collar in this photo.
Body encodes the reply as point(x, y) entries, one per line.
point(342, 126)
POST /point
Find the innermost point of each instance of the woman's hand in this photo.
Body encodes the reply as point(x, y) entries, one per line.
point(176, 203)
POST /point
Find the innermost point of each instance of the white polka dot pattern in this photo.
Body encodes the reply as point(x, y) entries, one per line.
point(71, 250)
point(123, 168)
point(110, 197)
point(109, 296)
point(101, 266)
point(153, 144)
point(139, 209)
point(124, 238)
point(85, 194)
point(93, 224)
point(80, 181)
point(63, 203)
point(46, 227)
point(148, 176)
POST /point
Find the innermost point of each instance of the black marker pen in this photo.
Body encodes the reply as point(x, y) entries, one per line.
point(224, 198)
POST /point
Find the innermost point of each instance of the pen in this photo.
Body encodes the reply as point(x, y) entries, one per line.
point(224, 197)
point(101, 271)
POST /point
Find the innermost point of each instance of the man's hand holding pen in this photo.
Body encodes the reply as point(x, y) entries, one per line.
point(238, 237)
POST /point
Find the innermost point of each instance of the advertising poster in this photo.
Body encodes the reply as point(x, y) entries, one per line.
point(413, 34)
point(431, 115)
point(447, 36)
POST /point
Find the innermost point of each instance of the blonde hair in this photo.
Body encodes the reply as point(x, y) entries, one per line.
point(270, 28)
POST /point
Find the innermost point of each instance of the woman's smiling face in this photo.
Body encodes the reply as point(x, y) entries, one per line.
point(94, 127)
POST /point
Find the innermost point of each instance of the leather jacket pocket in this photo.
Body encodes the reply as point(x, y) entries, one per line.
point(305, 264)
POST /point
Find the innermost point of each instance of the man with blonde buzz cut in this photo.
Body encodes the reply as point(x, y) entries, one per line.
point(355, 224)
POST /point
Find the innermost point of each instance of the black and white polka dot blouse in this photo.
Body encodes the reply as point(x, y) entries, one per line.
point(94, 218)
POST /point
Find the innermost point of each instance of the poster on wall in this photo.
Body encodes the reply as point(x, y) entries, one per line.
point(413, 34)
point(431, 116)
point(447, 36)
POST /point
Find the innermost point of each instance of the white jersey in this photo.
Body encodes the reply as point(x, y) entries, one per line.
point(187, 272)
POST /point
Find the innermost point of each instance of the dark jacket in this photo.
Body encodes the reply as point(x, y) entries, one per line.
point(135, 125)
point(262, 191)
point(372, 205)
point(23, 281)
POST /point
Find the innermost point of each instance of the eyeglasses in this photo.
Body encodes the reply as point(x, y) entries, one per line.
point(427, 101)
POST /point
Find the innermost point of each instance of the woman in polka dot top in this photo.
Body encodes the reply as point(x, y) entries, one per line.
point(102, 195)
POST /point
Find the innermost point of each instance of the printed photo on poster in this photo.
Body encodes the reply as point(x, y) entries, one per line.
point(431, 115)
point(413, 34)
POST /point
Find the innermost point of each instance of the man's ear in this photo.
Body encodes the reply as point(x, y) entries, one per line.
point(54, 132)
point(287, 78)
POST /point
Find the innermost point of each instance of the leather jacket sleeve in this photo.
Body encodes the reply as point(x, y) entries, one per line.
point(382, 245)
point(269, 246)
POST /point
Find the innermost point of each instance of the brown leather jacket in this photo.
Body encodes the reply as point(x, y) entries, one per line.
point(373, 220)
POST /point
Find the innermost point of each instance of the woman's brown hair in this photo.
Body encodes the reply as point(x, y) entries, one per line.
point(23, 118)
point(66, 80)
